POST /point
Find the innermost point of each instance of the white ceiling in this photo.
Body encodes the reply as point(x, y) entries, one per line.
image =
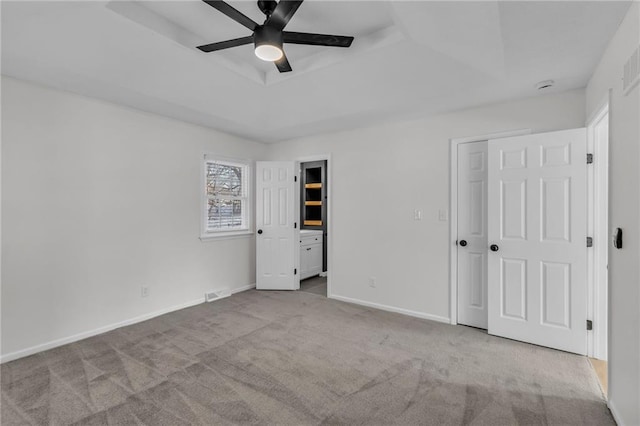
point(408, 58)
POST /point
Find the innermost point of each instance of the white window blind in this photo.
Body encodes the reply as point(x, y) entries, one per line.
point(226, 196)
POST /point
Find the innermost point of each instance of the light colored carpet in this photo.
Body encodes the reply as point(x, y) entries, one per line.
point(294, 358)
point(315, 285)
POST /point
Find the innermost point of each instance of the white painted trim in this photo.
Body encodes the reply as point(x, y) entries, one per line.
point(615, 414)
point(327, 157)
point(249, 183)
point(453, 211)
point(297, 194)
point(228, 235)
point(388, 308)
point(86, 334)
point(604, 103)
point(74, 338)
point(598, 228)
point(497, 135)
point(243, 288)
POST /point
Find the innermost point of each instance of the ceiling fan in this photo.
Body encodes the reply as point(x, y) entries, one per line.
point(269, 37)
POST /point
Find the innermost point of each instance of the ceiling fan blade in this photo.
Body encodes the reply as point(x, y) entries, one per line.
point(283, 13)
point(212, 47)
point(232, 13)
point(317, 39)
point(283, 64)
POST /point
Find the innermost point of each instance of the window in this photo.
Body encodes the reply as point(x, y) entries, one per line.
point(226, 197)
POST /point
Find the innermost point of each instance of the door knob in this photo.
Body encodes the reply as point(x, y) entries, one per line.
point(259, 231)
point(494, 247)
point(463, 243)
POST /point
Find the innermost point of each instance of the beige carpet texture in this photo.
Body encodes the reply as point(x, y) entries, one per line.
point(297, 358)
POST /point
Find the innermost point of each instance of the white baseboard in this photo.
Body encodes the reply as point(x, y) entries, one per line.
point(244, 288)
point(408, 312)
point(615, 414)
point(84, 335)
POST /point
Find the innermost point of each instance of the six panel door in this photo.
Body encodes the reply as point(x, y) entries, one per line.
point(537, 264)
point(277, 239)
point(472, 234)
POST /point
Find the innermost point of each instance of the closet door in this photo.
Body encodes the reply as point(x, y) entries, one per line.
point(537, 262)
point(472, 234)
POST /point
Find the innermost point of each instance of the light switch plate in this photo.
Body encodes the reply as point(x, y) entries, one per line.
point(443, 215)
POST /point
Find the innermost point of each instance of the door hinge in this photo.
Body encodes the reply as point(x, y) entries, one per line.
point(589, 158)
point(295, 225)
point(295, 178)
point(589, 242)
point(295, 271)
point(589, 325)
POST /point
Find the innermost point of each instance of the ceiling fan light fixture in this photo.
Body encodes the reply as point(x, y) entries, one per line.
point(268, 52)
point(268, 43)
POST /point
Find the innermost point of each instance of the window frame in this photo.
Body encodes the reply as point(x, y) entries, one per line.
point(247, 168)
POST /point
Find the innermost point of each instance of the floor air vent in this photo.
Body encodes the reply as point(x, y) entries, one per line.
point(212, 295)
point(631, 75)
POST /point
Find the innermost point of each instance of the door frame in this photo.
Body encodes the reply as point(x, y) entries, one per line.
point(453, 211)
point(598, 228)
point(329, 174)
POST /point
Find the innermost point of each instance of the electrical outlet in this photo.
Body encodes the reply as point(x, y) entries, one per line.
point(144, 291)
point(443, 215)
point(372, 282)
point(417, 214)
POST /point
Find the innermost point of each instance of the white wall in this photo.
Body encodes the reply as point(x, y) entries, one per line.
point(98, 200)
point(624, 212)
point(381, 174)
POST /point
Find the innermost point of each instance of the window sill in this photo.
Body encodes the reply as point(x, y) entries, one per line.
point(229, 235)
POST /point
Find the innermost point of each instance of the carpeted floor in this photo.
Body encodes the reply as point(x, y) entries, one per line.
point(315, 285)
point(298, 358)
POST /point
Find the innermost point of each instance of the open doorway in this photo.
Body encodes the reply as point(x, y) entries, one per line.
point(314, 220)
point(293, 225)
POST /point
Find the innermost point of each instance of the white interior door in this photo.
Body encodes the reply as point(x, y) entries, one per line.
point(472, 234)
point(277, 239)
point(537, 226)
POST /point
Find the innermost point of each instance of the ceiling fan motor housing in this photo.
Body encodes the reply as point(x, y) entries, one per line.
point(265, 34)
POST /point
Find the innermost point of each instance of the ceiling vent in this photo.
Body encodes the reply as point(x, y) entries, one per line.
point(631, 75)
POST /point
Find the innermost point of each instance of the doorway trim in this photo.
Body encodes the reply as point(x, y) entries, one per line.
point(453, 209)
point(323, 157)
point(598, 228)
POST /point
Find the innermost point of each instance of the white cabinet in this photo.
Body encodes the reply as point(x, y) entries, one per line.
point(310, 253)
